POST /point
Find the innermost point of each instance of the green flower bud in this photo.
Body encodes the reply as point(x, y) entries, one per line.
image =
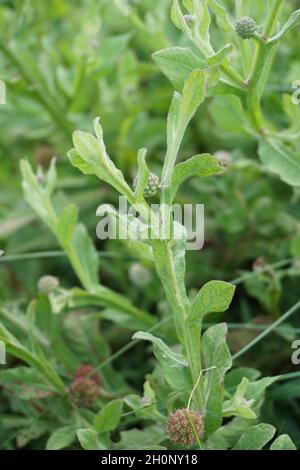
point(185, 426)
point(47, 284)
point(151, 187)
point(245, 27)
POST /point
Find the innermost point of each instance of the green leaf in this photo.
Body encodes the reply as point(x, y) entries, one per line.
point(162, 352)
point(221, 14)
point(42, 365)
point(255, 390)
point(171, 266)
point(193, 94)
point(183, 107)
point(89, 156)
point(35, 195)
point(256, 437)
point(178, 19)
point(238, 405)
point(291, 23)
point(295, 246)
point(127, 226)
point(217, 358)
point(25, 383)
point(61, 438)
point(288, 390)
point(142, 176)
point(89, 439)
point(215, 350)
point(112, 48)
point(22, 374)
point(229, 115)
point(73, 238)
point(51, 177)
point(218, 58)
point(66, 224)
point(200, 165)
point(177, 63)
point(153, 447)
point(214, 296)
point(137, 439)
point(226, 436)
point(225, 88)
point(172, 122)
point(283, 442)
point(109, 417)
point(279, 159)
point(202, 20)
point(145, 408)
point(104, 297)
point(85, 257)
point(234, 376)
point(213, 391)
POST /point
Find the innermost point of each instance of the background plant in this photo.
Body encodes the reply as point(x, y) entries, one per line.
point(250, 213)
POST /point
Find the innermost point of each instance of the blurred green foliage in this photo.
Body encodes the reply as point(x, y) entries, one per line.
point(63, 64)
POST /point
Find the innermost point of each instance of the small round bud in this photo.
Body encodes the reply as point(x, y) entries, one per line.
point(139, 275)
point(188, 18)
point(86, 370)
point(151, 187)
point(223, 157)
point(185, 426)
point(245, 27)
point(47, 284)
point(83, 391)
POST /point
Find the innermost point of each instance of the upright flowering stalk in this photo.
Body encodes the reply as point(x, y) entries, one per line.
point(168, 254)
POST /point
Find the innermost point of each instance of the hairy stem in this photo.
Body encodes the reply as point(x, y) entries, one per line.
point(226, 68)
point(263, 59)
point(273, 17)
point(230, 73)
point(190, 337)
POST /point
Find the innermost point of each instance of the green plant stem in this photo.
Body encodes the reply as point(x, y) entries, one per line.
point(238, 8)
point(273, 17)
point(261, 67)
point(253, 93)
point(268, 330)
point(189, 336)
point(104, 296)
point(230, 73)
point(285, 136)
point(169, 164)
point(262, 270)
point(288, 376)
point(263, 58)
point(58, 254)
